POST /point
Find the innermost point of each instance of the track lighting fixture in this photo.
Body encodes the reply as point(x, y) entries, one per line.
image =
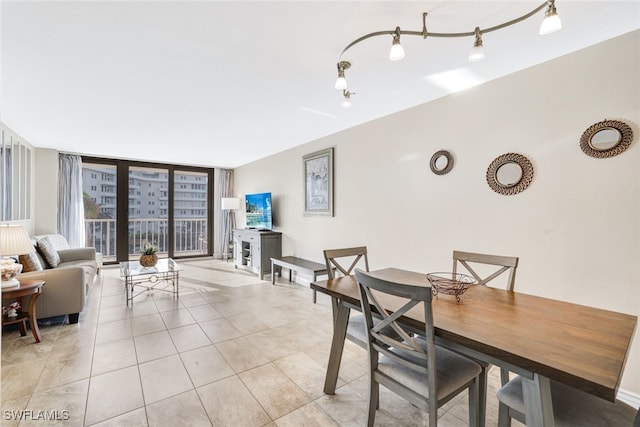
point(550, 24)
point(346, 98)
point(341, 81)
point(397, 51)
point(477, 51)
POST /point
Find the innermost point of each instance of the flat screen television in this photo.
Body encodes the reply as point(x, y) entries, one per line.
point(258, 211)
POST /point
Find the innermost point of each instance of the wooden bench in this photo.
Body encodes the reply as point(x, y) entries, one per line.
point(299, 265)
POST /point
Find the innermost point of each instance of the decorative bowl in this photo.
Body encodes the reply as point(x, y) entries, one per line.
point(450, 283)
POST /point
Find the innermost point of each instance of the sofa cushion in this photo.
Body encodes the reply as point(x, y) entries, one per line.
point(30, 262)
point(48, 251)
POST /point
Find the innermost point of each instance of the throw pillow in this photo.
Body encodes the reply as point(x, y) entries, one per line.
point(46, 248)
point(30, 262)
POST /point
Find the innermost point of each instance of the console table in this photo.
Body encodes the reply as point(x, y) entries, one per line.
point(253, 250)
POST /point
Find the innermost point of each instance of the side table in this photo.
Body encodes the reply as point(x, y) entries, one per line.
point(26, 288)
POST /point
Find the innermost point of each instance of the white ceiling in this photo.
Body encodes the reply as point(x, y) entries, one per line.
point(217, 83)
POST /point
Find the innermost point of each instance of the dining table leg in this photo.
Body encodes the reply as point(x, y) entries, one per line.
point(340, 322)
point(537, 400)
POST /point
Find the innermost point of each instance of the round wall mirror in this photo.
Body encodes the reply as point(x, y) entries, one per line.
point(441, 162)
point(607, 138)
point(510, 174)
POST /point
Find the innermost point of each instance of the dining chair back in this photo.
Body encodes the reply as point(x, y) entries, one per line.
point(571, 407)
point(343, 261)
point(415, 368)
point(486, 268)
point(473, 262)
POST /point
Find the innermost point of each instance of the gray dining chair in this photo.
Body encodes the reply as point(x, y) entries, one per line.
point(485, 269)
point(426, 375)
point(571, 407)
point(342, 262)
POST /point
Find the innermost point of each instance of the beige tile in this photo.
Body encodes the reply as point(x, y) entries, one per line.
point(163, 378)
point(166, 302)
point(110, 314)
point(277, 394)
point(63, 368)
point(189, 337)
point(202, 313)
point(143, 309)
point(154, 346)
point(206, 365)
point(113, 355)
point(147, 324)
point(220, 330)
point(113, 394)
point(310, 415)
point(177, 318)
point(192, 299)
point(273, 344)
point(20, 379)
point(75, 337)
point(346, 406)
point(135, 418)
point(11, 418)
point(247, 323)
point(185, 407)
point(113, 331)
point(64, 404)
point(240, 407)
point(305, 372)
point(241, 354)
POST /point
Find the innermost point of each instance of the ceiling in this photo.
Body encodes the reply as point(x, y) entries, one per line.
point(212, 83)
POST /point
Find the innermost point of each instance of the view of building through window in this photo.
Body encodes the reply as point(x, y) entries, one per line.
point(147, 210)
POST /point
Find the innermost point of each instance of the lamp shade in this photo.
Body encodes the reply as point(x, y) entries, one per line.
point(229, 203)
point(14, 240)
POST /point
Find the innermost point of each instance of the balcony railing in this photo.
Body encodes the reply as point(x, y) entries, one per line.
point(190, 236)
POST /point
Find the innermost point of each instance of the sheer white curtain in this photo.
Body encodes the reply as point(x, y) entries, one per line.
point(70, 202)
point(225, 189)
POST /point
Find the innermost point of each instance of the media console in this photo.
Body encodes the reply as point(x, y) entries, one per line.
point(253, 250)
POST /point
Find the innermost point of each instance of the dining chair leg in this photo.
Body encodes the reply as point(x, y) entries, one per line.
point(504, 420)
point(482, 395)
point(340, 322)
point(374, 400)
point(475, 407)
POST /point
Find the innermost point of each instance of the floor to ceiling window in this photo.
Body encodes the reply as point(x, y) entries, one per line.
point(168, 206)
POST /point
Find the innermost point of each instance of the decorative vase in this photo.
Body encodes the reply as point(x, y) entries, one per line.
point(148, 260)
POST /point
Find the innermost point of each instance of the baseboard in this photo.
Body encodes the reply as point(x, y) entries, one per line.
point(629, 398)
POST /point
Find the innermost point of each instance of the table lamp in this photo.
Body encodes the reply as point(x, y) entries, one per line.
point(14, 240)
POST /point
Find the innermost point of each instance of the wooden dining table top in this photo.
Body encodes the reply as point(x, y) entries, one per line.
point(581, 346)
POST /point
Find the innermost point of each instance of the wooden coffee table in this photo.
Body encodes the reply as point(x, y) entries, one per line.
point(26, 288)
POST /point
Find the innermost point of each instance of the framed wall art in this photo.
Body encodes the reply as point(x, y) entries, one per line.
point(317, 169)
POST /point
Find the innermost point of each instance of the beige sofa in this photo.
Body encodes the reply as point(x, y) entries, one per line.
point(67, 282)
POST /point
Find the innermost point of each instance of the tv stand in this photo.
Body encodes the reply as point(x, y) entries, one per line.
point(253, 250)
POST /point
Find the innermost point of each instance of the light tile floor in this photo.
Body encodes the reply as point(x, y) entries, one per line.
point(230, 351)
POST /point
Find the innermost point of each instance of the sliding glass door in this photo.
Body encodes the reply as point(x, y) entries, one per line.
point(130, 204)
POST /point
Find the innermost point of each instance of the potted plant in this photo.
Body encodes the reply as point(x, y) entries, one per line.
point(148, 257)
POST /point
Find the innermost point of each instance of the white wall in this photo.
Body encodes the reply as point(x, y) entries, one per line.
point(575, 229)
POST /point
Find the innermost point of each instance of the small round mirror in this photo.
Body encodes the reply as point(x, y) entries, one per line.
point(509, 174)
point(441, 162)
point(605, 139)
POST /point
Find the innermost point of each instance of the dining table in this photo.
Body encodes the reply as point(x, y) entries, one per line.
point(539, 338)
